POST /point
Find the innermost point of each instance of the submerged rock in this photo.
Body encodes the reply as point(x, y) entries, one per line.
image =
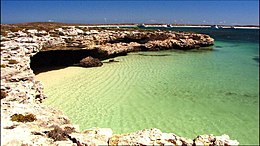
point(256, 59)
point(111, 61)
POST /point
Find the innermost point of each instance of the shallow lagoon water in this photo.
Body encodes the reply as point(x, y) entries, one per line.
point(188, 93)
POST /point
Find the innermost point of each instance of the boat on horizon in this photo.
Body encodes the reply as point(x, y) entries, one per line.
point(169, 25)
point(141, 25)
point(215, 26)
point(232, 27)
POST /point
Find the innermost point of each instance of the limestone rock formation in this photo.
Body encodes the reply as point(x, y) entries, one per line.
point(93, 136)
point(90, 62)
point(156, 137)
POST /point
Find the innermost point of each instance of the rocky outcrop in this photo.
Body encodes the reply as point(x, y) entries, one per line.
point(90, 62)
point(24, 121)
point(101, 44)
point(130, 40)
point(17, 79)
point(156, 137)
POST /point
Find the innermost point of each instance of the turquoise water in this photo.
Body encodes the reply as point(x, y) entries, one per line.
point(188, 93)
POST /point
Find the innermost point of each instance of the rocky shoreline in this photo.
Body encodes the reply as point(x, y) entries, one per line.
point(25, 121)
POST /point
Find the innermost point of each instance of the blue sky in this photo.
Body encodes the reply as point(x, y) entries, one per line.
point(191, 12)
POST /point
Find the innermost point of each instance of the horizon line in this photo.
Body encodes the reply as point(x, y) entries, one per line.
point(125, 23)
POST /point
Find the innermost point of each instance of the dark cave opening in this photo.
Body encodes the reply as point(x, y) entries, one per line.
point(57, 59)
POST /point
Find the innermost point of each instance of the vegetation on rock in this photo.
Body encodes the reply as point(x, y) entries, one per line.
point(23, 118)
point(58, 134)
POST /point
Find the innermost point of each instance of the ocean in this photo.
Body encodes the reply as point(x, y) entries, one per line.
point(183, 92)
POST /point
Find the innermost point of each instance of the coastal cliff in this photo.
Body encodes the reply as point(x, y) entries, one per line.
point(24, 121)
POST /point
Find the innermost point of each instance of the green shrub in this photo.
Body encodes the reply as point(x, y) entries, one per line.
point(69, 129)
point(23, 118)
point(58, 134)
